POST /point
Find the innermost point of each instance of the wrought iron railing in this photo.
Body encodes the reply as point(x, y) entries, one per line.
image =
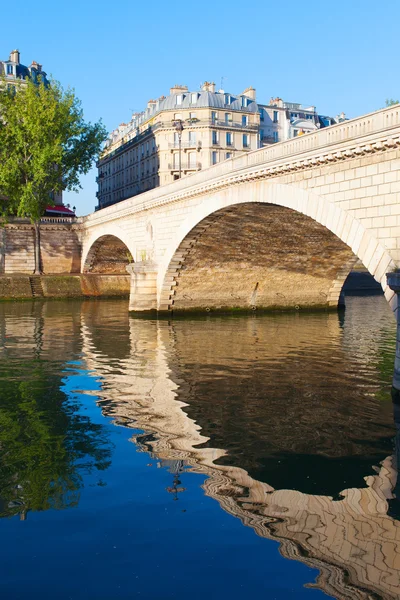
point(185, 166)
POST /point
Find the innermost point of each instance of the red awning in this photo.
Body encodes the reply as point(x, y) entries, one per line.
point(60, 208)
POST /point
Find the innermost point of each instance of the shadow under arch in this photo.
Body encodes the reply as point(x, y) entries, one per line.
point(108, 254)
point(316, 215)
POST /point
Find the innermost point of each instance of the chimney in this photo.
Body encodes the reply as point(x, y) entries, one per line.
point(14, 56)
point(276, 102)
point(250, 92)
point(178, 89)
point(208, 86)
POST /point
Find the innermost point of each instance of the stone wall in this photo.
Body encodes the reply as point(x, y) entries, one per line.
point(254, 256)
point(65, 286)
point(60, 248)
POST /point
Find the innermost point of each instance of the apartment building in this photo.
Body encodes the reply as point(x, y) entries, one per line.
point(16, 73)
point(280, 121)
point(146, 152)
point(188, 131)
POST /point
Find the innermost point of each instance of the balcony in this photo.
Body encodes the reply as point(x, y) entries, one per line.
point(189, 144)
point(234, 124)
point(185, 166)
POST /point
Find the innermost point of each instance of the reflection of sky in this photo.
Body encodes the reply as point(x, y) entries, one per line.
point(127, 537)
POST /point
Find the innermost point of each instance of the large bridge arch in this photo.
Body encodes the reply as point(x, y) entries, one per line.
point(347, 235)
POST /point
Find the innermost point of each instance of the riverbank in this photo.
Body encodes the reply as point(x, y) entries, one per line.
point(23, 287)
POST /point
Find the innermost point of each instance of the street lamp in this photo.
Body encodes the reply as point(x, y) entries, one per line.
point(179, 128)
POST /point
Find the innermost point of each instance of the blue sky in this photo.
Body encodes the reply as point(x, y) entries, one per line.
point(340, 55)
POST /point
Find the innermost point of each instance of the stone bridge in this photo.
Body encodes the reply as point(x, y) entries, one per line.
point(280, 227)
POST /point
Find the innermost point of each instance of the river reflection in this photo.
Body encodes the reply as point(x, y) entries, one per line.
point(288, 416)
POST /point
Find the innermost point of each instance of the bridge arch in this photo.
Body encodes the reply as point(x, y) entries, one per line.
point(333, 231)
point(107, 254)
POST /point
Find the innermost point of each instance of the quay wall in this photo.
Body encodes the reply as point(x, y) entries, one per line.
point(18, 286)
point(59, 243)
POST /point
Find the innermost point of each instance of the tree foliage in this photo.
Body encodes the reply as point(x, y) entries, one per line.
point(390, 102)
point(45, 145)
point(47, 445)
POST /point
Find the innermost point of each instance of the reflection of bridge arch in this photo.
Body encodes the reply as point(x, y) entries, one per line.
point(352, 541)
point(108, 254)
point(260, 242)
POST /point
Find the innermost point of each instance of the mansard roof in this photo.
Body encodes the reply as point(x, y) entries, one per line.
point(206, 99)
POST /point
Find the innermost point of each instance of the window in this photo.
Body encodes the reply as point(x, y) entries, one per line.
point(179, 99)
point(215, 137)
point(176, 159)
point(177, 116)
point(245, 120)
point(276, 116)
point(228, 155)
point(193, 98)
point(295, 132)
point(276, 136)
point(192, 115)
point(228, 118)
point(261, 114)
point(294, 115)
point(245, 140)
point(10, 70)
point(192, 160)
point(309, 116)
point(213, 116)
point(214, 159)
point(227, 99)
point(229, 139)
point(261, 134)
point(192, 137)
point(244, 103)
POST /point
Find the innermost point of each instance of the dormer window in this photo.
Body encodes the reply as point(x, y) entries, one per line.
point(244, 103)
point(10, 70)
point(193, 98)
point(179, 99)
point(227, 98)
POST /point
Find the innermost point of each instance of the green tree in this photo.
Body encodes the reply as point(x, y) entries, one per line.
point(390, 102)
point(45, 145)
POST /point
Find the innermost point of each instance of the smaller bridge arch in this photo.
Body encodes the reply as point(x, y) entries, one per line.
point(107, 255)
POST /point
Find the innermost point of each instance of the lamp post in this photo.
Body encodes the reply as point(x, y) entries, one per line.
point(179, 128)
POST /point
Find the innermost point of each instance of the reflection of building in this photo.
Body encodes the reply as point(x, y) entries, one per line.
point(146, 152)
point(351, 540)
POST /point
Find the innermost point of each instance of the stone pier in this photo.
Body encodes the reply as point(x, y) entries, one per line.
point(143, 294)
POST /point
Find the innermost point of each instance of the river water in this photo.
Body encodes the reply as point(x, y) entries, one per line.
point(218, 457)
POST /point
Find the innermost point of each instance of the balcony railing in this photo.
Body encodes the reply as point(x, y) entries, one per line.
point(185, 166)
point(189, 144)
point(221, 123)
point(126, 141)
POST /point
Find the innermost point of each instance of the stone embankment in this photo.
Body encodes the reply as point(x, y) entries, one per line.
point(60, 248)
point(21, 286)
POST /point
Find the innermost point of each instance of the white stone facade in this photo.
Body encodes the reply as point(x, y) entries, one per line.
point(217, 126)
